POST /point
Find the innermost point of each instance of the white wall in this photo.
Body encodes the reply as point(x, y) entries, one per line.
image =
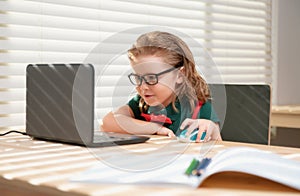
point(288, 50)
point(287, 55)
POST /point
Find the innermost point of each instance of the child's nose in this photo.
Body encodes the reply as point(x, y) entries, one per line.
point(144, 85)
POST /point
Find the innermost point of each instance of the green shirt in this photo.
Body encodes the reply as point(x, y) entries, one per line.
point(206, 112)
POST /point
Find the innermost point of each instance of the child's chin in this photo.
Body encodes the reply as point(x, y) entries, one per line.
point(153, 103)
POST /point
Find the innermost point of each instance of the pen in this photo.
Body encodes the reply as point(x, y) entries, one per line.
point(201, 167)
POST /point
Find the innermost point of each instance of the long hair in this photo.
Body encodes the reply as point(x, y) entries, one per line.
point(174, 52)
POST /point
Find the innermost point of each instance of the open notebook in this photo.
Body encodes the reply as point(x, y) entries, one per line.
point(237, 159)
point(60, 106)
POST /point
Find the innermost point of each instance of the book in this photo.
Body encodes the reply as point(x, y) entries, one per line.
point(247, 160)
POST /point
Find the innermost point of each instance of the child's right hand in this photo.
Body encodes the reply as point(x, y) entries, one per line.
point(211, 128)
point(167, 132)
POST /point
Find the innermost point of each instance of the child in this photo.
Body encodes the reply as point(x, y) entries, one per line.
point(171, 97)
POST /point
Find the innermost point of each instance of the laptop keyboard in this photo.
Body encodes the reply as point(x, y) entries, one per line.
point(109, 137)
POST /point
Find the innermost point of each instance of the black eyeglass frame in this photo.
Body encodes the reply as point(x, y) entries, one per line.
point(141, 78)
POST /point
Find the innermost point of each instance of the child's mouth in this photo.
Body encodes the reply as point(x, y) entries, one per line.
point(148, 96)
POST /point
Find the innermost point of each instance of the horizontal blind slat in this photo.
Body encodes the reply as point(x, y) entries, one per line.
point(258, 5)
point(12, 82)
point(16, 70)
point(215, 8)
point(226, 70)
point(237, 29)
point(237, 37)
point(16, 107)
point(12, 95)
point(80, 35)
point(41, 45)
point(241, 79)
point(238, 21)
point(26, 57)
point(12, 121)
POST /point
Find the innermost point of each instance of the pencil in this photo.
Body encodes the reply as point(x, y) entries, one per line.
point(193, 165)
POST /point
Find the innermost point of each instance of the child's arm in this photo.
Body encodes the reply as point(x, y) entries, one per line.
point(123, 121)
point(211, 128)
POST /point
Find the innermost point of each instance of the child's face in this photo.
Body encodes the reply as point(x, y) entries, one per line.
point(163, 91)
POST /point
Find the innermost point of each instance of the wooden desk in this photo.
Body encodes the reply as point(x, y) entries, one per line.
point(31, 167)
point(286, 116)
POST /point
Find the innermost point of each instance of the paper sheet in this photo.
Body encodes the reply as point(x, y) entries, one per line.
point(172, 174)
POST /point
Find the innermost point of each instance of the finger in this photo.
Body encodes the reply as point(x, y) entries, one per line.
point(192, 128)
point(202, 128)
point(171, 135)
point(201, 131)
point(162, 131)
point(207, 137)
point(186, 123)
point(216, 132)
point(209, 134)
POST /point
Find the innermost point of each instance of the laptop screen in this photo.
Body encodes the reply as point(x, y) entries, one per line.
point(60, 102)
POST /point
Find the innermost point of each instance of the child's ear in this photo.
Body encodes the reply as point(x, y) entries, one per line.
point(180, 76)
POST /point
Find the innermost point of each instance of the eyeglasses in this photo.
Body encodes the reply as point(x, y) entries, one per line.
point(150, 79)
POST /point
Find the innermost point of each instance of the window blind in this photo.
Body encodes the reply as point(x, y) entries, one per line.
point(235, 33)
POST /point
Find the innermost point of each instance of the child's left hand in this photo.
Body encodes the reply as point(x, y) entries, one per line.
point(211, 128)
point(166, 131)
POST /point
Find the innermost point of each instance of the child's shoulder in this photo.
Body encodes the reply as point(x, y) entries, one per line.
point(206, 103)
point(135, 98)
point(207, 106)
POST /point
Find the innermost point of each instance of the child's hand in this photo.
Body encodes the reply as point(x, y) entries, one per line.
point(166, 131)
point(203, 125)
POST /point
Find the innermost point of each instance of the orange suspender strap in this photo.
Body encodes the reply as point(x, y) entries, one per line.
point(197, 110)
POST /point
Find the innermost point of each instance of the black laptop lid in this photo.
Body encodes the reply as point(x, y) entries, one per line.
point(60, 102)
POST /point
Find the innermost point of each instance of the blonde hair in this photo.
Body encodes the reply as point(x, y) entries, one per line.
point(174, 52)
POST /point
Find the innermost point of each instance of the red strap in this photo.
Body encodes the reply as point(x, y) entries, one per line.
point(197, 109)
point(164, 119)
point(157, 118)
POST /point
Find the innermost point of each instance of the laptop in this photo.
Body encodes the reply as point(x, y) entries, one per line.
point(60, 106)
